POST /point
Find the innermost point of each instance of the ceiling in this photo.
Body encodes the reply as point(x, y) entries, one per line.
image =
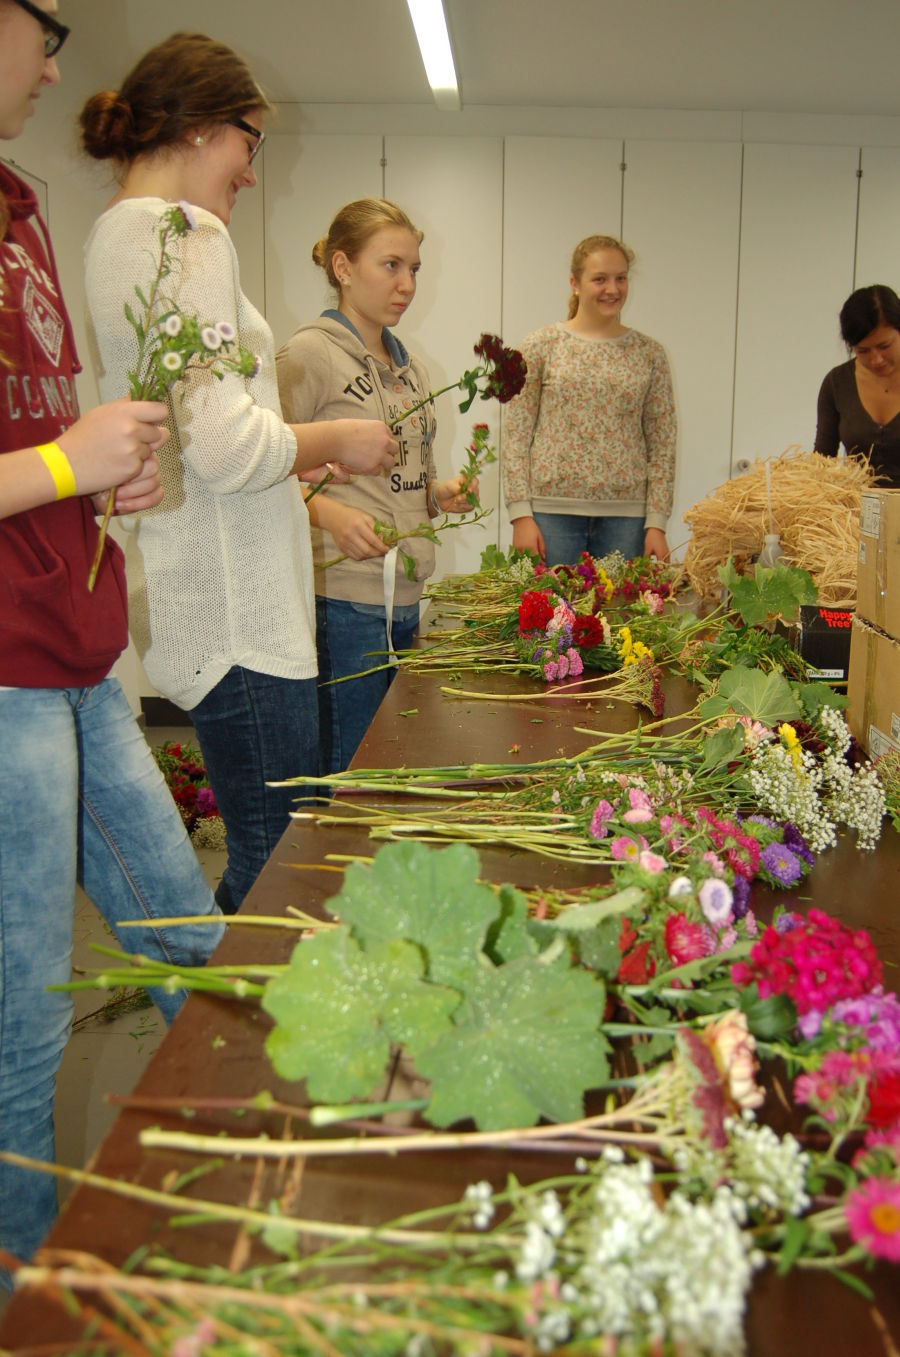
point(787, 56)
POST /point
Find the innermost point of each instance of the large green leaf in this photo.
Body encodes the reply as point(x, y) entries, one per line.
point(338, 1009)
point(775, 591)
point(426, 896)
point(750, 692)
point(526, 1044)
point(509, 937)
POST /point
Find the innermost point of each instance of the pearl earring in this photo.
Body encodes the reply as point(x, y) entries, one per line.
point(198, 141)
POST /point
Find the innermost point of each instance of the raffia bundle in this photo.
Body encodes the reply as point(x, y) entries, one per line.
point(815, 510)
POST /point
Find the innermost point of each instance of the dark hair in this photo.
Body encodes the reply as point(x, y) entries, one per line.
point(187, 81)
point(866, 309)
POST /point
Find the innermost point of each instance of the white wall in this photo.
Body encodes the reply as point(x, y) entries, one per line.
point(750, 230)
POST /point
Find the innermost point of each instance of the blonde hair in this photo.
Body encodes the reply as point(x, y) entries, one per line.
point(587, 247)
point(353, 226)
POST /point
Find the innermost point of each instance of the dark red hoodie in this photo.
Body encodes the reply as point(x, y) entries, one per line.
point(53, 633)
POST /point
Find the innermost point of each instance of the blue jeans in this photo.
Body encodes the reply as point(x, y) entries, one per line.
point(81, 798)
point(351, 638)
point(253, 729)
point(566, 536)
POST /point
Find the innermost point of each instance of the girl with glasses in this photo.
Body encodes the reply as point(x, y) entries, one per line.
point(81, 798)
point(220, 574)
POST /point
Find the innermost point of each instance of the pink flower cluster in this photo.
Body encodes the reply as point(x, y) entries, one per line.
point(816, 964)
point(568, 664)
point(741, 849)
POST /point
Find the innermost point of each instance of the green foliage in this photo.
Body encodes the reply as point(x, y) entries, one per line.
point(526, 1043)
point(431, 960)
point(750, 692)
point(771, 592)
point(723, 746)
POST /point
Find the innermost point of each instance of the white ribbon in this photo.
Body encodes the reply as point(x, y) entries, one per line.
point(389, 580)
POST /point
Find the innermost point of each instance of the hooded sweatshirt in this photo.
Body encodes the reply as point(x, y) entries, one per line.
point(53, 633)
point(325, 371)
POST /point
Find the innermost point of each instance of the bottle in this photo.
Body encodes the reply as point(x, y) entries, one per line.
point(771, 553)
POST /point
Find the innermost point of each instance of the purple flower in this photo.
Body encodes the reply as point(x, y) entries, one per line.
point(781, 863)
point(877, 1013)
point(206, 802)
point(740, 902)
point(795, 841)
point(715, 900)
point(788, 921)
point(810, 1024)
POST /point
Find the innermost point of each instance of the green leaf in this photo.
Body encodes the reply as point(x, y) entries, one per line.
point(599, 949)
point(776, 591)
point(338, 1009)
point(526, 1044)
point(750, 692)
point(855, 1283)
point(723, 746)
point(431, 897)
point(795, 1237)
point(769, 1019)
point(409, 564)
point(508, 938)
point(580, 918)
point(814, 696)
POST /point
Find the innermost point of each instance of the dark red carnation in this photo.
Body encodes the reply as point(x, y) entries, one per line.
point(535, 611)
point(884, 1100)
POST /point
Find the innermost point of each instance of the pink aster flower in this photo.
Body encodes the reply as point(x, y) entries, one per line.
point(687, 941)
point(714, 863)
point(640, 807)
point(551, 669)
point(873, 1217)
point(625, 849)
point(603, 812)
point(652, 862)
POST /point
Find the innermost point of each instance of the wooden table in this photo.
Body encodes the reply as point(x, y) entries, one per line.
point(215, 1047)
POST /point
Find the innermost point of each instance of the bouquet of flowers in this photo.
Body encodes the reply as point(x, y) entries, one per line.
point(181, 764)
point(171, 344)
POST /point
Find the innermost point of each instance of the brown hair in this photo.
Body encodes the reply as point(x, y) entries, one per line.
point(587, 247)
point(187, 81)
point(353, 226)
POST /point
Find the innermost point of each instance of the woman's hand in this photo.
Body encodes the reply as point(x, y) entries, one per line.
point(352, 529)
point(527, 536)
point(109, 445)
point(366, 445)
point(450, 496)
point(333, 472)
point(655, 544)
point(143, 491)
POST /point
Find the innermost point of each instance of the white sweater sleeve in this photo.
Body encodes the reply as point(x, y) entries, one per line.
point(230, 432)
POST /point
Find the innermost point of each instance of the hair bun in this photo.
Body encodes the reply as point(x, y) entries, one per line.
point(320, 252)
point(107, 126)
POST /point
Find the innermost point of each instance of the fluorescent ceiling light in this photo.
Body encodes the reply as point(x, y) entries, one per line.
point(434, 44)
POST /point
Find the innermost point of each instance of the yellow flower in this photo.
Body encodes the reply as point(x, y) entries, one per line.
point(791, 742)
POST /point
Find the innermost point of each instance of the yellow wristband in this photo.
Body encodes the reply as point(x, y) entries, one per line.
point(60, 468)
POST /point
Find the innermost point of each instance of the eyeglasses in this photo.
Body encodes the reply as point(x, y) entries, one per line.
point(254, 132)
point(55, 33)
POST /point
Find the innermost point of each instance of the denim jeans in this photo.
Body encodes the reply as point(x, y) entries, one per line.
point(81, 798)
point(566, 536)
point(253, 729)
point(350, 638)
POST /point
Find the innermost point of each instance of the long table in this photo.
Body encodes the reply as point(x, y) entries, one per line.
point(214, 1048)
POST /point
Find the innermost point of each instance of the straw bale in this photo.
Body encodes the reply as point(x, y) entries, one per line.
point(815, 510)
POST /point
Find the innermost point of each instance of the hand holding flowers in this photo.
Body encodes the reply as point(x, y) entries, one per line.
point(171, 344)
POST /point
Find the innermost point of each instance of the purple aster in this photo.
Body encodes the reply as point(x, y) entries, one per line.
point(740, 902)
point(781, 863)
point(876, 1013)
point(795, 841)
point(788, 921)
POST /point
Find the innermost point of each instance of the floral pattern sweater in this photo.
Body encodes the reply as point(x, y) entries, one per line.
point(594, 430)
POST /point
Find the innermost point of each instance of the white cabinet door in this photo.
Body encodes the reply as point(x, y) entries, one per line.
point(451, 187)
point(556, 191)
point(681, 216)
point(798, 228)
point(307, 179)
point(877, 246)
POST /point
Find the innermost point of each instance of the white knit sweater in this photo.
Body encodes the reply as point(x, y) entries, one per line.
point(220, 573)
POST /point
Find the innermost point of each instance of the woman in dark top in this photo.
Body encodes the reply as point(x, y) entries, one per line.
point(859, 402)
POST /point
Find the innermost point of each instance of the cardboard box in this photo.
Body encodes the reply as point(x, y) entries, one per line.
point(873, 692)
point(822, 636)
point(878, 579)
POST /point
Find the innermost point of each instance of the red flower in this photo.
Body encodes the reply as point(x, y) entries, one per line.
point(636, 968)
point(587, 632)
point(884, 1100)
point(535, 611)
point(506, 368)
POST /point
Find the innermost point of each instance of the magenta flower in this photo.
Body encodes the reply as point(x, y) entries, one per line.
point(873, 1218)
point(576, 664)
point(877, 1015)
point(687, 941)
point(551, 669)
point(641, 807)
point(625, 849)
